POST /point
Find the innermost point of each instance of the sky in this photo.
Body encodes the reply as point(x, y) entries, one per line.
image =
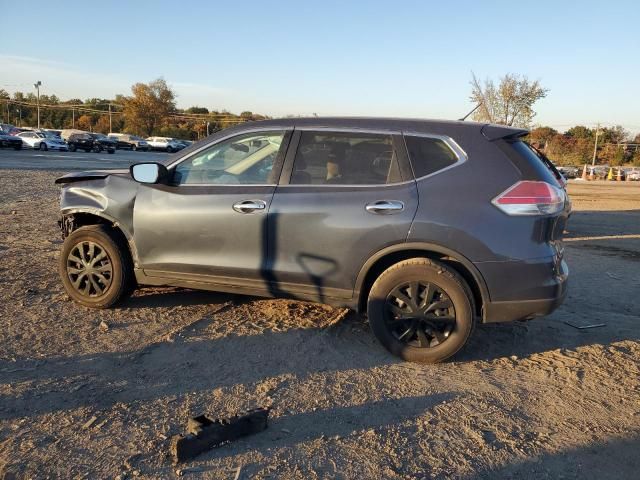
point(400, 58)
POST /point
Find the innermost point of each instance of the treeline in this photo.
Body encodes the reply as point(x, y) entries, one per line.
point(149, 110)
point(576, 145)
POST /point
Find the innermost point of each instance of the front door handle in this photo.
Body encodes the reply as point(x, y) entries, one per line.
point(249, 206)
point(385, 207)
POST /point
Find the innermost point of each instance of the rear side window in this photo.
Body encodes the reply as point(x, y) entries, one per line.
point(336, 158)
point(428, 155)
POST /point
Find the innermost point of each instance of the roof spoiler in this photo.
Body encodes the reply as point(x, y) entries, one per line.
point(495, 132)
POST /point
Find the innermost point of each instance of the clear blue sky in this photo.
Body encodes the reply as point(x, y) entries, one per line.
point(331, 57)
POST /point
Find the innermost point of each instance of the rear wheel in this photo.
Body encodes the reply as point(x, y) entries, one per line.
point(17, 147)
point(95, 267)
point(421, 310)
point(43, 146)
point(72, 147)
point(134, 148)
point(111, 150)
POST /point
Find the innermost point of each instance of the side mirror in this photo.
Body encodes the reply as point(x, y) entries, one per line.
point(149, 172)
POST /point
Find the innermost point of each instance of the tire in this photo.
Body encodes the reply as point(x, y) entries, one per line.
point(43, 147)
point(72, 148)
point(87, 150)
point(134, 148)
point(18, 147)
point(115, 267)
point(111, 151)
point(98, 149)
point(426, 339)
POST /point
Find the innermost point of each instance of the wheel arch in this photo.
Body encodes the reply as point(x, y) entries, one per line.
point(76, 218)
point(391, 255)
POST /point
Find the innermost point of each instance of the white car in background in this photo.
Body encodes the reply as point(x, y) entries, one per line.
point(41, 141)
point(165, 144)
point(633, 174)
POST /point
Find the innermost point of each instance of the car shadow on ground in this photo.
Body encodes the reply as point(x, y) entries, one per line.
point(163, 297)
point(187, 364)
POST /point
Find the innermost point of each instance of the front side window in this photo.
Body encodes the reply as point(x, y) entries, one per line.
point(245, 159)
point(335, 158)
point(429, 154)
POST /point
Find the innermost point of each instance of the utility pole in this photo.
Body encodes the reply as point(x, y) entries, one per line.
point(37, 86)
point(19, 112)
point(110, 128)
point(73, 118)
point(8, 117)
point(595, 146)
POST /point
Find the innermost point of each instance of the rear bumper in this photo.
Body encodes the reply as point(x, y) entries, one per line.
point(537, 292)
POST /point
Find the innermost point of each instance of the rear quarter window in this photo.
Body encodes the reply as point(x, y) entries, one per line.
point(531, 165)
point(429, 154)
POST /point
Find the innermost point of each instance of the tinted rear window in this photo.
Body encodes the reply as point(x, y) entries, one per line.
point(428, 155)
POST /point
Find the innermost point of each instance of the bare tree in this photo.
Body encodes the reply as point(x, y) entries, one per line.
point(509, 103)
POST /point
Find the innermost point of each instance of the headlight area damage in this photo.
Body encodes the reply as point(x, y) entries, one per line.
point(97, 197)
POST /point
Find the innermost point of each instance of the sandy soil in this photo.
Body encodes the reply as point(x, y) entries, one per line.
point(526, 400)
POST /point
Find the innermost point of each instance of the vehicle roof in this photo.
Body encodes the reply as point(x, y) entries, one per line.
point(461, 131)
point(383, 123)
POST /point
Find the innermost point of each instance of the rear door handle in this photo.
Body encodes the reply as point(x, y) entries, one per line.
point(249, 206)
point(385, 207)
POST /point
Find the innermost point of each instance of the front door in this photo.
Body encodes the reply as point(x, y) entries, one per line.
point(343, 197)
point(209, 224)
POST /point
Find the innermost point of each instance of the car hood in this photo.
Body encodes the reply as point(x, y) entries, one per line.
point(90, 175)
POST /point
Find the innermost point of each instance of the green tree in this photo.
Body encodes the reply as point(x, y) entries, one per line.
point(580, 131)
point(198, 110)
point(148, 107)
point(508, 103)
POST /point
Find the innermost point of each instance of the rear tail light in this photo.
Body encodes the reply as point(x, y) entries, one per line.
point(529, 197)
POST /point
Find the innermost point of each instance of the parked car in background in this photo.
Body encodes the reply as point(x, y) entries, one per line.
point(102, 142)
point(166, 144)
point(184, 143)
point(42, 141)
point(568, 171)
point(633, 174)
point(129, 142)
point(82, 141)
point(428, 227)
point(8, 129)
point(9, 141)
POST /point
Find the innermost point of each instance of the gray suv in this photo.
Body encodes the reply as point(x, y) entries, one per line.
point(426, 226)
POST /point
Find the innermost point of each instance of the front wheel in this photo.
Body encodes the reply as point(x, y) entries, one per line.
point(134, 148)
point(43, 147)
point(421, 310)
point(111, 150)
point(72, 148)
point(95, 267)
point(18, 147)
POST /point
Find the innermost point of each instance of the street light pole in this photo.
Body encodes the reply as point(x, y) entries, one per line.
point(110, 128)
point(37, 86)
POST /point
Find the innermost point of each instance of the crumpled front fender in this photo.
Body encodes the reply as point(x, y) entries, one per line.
point(111, 198)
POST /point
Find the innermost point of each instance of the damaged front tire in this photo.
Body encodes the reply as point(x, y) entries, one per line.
point(95, 267)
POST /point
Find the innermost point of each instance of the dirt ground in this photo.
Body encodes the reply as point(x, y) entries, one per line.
point(525, 400)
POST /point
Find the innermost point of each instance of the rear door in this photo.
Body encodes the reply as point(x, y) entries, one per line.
point(343, 196)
